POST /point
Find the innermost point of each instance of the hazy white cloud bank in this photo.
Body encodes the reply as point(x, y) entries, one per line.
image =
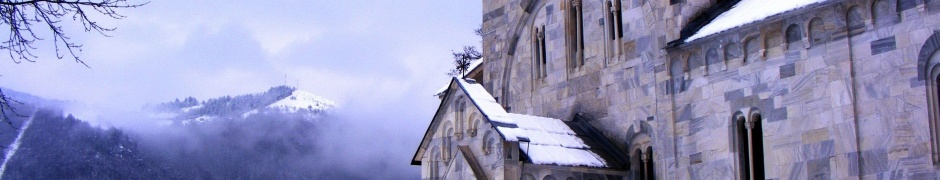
point(381, 60)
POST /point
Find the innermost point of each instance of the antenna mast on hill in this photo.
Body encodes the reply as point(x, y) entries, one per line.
point(285, 79)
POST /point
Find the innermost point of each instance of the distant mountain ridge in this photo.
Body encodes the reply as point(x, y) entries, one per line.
point(282, 99)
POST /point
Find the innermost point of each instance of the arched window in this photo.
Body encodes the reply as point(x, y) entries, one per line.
point(757, 146)
point(817, 32)
point(794, 38)
point(749, 143)
point(575, 31)
point(741, 146)
point(648, 164)
point(435, 165)
point(641, 157)
point(447, 138)
point(752, 48)
point(881, 13)
point(549, 177)
point(637, 167)
point(855, 21)
point(474, 125)
point(929, 57)
point(490, 143)
point(461, 107)
point(539, 52)
point(614, 27)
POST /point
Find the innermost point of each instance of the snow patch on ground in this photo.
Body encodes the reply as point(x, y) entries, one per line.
point(16, 145)
point(749, 11)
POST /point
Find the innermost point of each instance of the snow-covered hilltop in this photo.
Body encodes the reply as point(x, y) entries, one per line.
point(281, 99)
point(302, 100)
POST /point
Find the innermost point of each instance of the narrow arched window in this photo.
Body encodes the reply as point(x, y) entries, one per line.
point(757, 146)
point(642, 159)
point(449, 144)
point(794, 38)
point(749, 143)
point(435, 165)
point(648, 164)
point(575, 31)
point(539, 52)
point(637, 159)
point(614, 28)
point(461, 107)
point(929, 56)
point(474, 125)
point(741, 147)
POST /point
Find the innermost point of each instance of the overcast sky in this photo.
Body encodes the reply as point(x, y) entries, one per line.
point(383, 57)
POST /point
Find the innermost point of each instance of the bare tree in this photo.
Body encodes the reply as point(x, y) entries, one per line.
point(26, 18)
point(462, 60)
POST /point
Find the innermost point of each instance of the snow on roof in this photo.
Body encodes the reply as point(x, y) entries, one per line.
point(487, 104)
point(473, 66)
point(748, 11)
point(299, 100)
point(545, 140)
point(551, 141)
point(555, 155)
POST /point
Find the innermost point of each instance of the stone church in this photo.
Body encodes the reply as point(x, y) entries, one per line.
point(694, 89)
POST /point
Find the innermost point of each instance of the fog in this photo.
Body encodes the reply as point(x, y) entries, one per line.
point(380, 60)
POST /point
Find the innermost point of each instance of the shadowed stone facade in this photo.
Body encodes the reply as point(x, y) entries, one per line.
point(843, 89)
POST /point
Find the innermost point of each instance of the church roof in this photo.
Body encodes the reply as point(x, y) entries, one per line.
point(543, 140)
point(730, 14)
point(470, 70)
point(551, 142)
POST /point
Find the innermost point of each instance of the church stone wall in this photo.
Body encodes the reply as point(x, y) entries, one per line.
point(840, 97)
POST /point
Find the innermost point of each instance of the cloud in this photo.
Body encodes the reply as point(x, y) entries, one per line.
point(382, 59)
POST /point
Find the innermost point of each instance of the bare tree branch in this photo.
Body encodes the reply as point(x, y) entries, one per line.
point(25, 18)
point(462, 60)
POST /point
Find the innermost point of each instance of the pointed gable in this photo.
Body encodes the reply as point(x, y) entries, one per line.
point(543, 140)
